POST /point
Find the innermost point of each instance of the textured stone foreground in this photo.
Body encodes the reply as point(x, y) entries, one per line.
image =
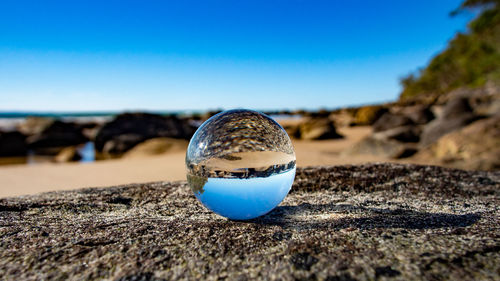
point(375, 221)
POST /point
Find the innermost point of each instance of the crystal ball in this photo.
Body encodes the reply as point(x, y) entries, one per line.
point(240, 164)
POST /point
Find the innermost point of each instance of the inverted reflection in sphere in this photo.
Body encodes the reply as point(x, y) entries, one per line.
point(240, 164)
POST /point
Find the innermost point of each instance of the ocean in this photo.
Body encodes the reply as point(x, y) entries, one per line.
point(10, 120)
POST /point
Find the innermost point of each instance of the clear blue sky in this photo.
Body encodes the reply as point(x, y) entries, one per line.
point(177, 55)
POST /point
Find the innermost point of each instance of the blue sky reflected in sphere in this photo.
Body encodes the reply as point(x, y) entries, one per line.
point(242, 199)
point(240, 164)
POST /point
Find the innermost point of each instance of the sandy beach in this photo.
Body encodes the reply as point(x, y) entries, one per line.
point(32, 179)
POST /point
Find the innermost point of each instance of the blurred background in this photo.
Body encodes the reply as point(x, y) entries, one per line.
point(99, 93)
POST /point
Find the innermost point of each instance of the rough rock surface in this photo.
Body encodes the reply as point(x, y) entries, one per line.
point(368, 222)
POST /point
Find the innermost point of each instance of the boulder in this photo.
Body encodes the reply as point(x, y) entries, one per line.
point(129, 129)
point(455, 115)
point(456, 108)
point(474, 147)
point(57, 135)
point(13, 144)
point(409, 133)
point(318, 129)
point(389, 121)
point(355, 222)
point(441, 126)
point(119, 144)
point(418, 114)
point(156, 146)
point(382, 146)
point(367, 115)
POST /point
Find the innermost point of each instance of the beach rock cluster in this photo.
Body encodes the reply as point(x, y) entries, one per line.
point(42, 136)
point(437, 131)
point(429, 129)
point(456, 114)
point(129, 129)
point(56, 135)
point(365, 222)
point(61, 139)
point(475, 146)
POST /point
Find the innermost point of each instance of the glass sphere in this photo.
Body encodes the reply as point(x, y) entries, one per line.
point(240, 164)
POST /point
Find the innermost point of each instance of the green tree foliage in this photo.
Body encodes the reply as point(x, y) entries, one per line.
point(469, 60)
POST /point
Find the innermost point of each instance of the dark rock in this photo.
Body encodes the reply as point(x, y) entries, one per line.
point(129, 129)
point(389, 121)
point(122, 143)
point(318, 129)
point(12, 144)
point(483, 100)
point(409, 133)
point(455, 108)
point(455, 115)
point(474, 147)
point(337, 218)
point(419, 114)
point(382, 146)
point(57, 134)
point(442, 126)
